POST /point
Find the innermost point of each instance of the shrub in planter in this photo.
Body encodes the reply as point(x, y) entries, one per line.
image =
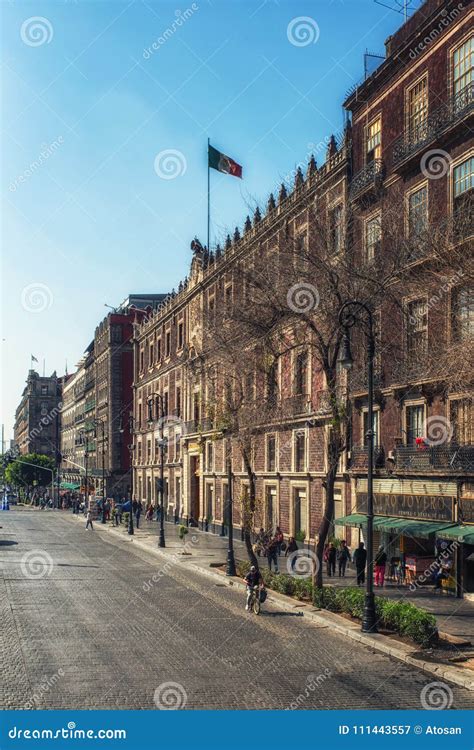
point(182, 531)
point(125, 518)
point(325, 598)
point(284, 584)
point(419, 625)
point(350, 601)
point(303, 588)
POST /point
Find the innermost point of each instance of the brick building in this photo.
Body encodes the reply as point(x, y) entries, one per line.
point(38, 415)
point(95, 435)
point(413, 158)
point(288, 448)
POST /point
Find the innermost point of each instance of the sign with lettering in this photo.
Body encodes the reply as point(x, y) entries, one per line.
point(418, 507)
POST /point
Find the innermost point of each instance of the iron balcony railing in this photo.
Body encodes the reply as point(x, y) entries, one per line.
point(447, 457)
point(443, 118)
point(369, 176)
point(360, 457)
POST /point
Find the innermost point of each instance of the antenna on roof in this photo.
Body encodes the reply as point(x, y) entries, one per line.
point(399, 6)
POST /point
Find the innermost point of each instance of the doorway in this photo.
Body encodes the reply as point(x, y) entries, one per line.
point(194, 466)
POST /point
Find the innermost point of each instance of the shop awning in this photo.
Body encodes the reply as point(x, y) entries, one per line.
point(69, 486)
point(463, 534)
point(404, 526)
point(355, 519)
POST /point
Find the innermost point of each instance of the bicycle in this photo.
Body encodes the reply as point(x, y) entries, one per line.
point(254, 600)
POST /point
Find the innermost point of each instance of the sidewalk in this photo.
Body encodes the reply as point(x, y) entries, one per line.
point(454, 616)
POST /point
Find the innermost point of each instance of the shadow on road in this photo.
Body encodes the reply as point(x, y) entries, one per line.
point(7, 542)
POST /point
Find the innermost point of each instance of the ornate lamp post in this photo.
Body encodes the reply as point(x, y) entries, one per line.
point(101, 425)
point(161, 481)
point(350, 314)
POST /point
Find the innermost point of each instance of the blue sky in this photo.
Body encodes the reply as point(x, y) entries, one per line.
point(86, 110)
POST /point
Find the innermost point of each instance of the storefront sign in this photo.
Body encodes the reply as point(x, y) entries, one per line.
point(423, 507)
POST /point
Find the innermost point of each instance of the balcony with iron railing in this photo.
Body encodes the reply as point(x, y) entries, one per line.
point(366, 179)
point(441, 121)
point(448, 457)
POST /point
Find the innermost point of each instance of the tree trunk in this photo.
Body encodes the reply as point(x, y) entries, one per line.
point(324, 526)
point(249, 512)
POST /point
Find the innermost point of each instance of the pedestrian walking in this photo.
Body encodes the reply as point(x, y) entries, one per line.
point(380, 563)
point(343, 557)
point(330, 557)
point(89, 520)
point(272, 554)
point(138, 513)
point(279, 537)
point(149, 513)
point(360, 559)
point(291, 547)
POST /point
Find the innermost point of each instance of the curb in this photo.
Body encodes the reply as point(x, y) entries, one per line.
point(378, 642)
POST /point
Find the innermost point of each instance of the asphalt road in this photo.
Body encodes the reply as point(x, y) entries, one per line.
point(80, 629)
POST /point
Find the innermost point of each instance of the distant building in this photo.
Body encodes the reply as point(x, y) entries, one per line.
point(38, 416)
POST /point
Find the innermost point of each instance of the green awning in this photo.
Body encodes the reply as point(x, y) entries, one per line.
point(355, 519)
point(463, 534)
point(69, 486)
point(404, 526)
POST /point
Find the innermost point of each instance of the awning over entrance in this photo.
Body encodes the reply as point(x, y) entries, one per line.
point(69, 486)
point(463, 534)
point(355, 519)
point(405, 526)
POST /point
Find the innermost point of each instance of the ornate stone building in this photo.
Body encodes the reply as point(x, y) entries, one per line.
point(38, 415)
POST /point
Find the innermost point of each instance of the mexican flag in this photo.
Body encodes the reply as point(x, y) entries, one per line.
point(223, 163)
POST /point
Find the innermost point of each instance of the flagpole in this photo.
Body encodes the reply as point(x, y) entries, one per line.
point(208, 199)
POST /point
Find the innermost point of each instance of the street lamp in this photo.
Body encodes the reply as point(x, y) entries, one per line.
point(161, 481)
point(230, 569)
point(350, 314)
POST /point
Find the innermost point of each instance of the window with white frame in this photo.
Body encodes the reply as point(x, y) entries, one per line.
point(271, 452)
point(462, 420)
point(375, 427)
point(417, 211)
point(372, 237)
point(414, 422)
point(417, 328)
point(209, 455)
point(271, 520)
point(463, 313)
point(301, 374)
point(300, 450)
point(300, 511)
point(463, 66)
point(417, 105)
point(374, 141)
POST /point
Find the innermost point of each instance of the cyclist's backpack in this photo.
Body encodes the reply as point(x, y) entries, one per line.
point(263, 595)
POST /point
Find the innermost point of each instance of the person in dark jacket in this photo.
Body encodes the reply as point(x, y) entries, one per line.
point(291, 547)
point(331, 560)
point(272, 554)
point(360, 559)
point(343, 557)
point(380, 563)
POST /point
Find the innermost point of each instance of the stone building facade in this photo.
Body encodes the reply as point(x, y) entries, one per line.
point(38, 415)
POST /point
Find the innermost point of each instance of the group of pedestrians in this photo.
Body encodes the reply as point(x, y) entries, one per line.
point(342, 556)
point(271, 546)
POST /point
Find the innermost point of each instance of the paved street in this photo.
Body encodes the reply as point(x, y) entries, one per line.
point(79, 630)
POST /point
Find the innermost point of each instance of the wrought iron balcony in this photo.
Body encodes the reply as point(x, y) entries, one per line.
point(456, 109)
point(360, 457)
point(447, 457)
point(368, 178)
point(296, 405)
point(322, 403)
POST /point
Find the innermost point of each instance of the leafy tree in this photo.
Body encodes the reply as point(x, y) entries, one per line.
point(30, 468)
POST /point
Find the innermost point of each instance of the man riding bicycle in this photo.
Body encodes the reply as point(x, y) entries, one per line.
point(252, 579)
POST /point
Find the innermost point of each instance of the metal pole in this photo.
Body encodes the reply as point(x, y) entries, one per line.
point(230, 571)
point(130, 515)
point(369, 619)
